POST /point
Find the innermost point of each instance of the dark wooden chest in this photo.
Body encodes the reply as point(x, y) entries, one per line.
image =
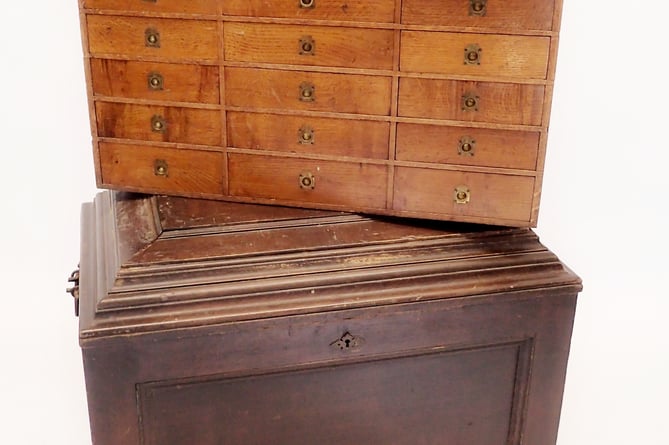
point(219, 323)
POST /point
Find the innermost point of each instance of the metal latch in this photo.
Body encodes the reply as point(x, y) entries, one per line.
point(74, 290)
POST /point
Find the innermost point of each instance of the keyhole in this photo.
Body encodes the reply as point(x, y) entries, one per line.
point(347, 342)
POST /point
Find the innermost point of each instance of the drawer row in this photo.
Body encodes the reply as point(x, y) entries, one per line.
point(304, 91)
point(338, 184)
point(505, 14)
point(444, 53)
point(319, 136)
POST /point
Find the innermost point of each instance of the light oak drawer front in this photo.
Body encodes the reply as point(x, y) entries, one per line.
point(367, 11)
point(308, 45)
point(152, 37)
point(475, 54)
point(467, 146)
point(347, 184)
point(460, 193)
point(175, 6)
point(297, 90)
point(161, 170)
point(309, 135)
point(158, 124)
point(514, 15)
point(155, 81)
point(506, 103)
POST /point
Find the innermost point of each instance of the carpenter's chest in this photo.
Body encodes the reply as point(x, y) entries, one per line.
point(424, 108)
point(209, 323)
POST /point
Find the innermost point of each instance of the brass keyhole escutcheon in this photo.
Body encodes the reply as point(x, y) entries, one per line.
point(470, 102)
point(461, 194)
point(158, 124)
point(307, 46)
point(160, 167)
point(305, 135)
point(155, 81)
point(152, 38)
point(307, 181)
point(307, 4)
point(477, 7)
point(307, 92)
point(466, 146)
point(472, 54)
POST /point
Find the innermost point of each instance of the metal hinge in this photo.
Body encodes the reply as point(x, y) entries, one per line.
point(74, 290)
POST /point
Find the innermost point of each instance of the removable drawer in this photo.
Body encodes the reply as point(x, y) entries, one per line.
point(172, 6)
point(155, 81)
point(467, 146)
point(348, 184)
point(139, 37)
point(158, 124)
point(367, 11)
point(504, 103)
point(309, 135)
point(461, 193)
point(309, 45)
point(307, 91)
point(504, 56)
point(514, 15)
point(161, 170)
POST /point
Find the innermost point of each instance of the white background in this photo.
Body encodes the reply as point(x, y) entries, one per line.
point(604, 212)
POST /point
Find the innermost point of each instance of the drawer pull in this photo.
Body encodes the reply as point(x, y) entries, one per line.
point(307, 46)
point(158, 124)
point(478, 7)
point(160, 167)
point(155, 81)
point(346, 342)
point(466, 146)
point(307, 92)
point(152, 38)
point(461, 194)
point(472, 54)
point(307, 181)
point(307, 4)
point(305, 135)
point(470, 102)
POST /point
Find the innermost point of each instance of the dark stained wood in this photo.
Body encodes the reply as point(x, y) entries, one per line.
point(233, 329)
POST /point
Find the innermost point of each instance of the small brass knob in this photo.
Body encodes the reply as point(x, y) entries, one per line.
point(466, 146)
point(307, 46)
point(461, 194)
point(472, 54)
point(152, 38)
point(155, 81)
point(477, 7)
point(470, 102)
point(305, 135)
point(307, 92)
point(307, 4)
point(160, 167)
point(158, 124)
point(307, 181)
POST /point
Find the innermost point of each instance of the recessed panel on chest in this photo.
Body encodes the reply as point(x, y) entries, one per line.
point(507, 103)
point(309, 45)
point(155, 81)
point(158, 38)
point(174, 6)
point(463, 193)
point(309, 135)
point(475, 54)
point(309, 91)
point(157, 123)
point(365, 11)
point(161, 169)
point(516, 15)
point(308, 180)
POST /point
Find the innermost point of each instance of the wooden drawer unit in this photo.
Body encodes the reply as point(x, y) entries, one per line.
point(211, 322)
point(392, 85)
